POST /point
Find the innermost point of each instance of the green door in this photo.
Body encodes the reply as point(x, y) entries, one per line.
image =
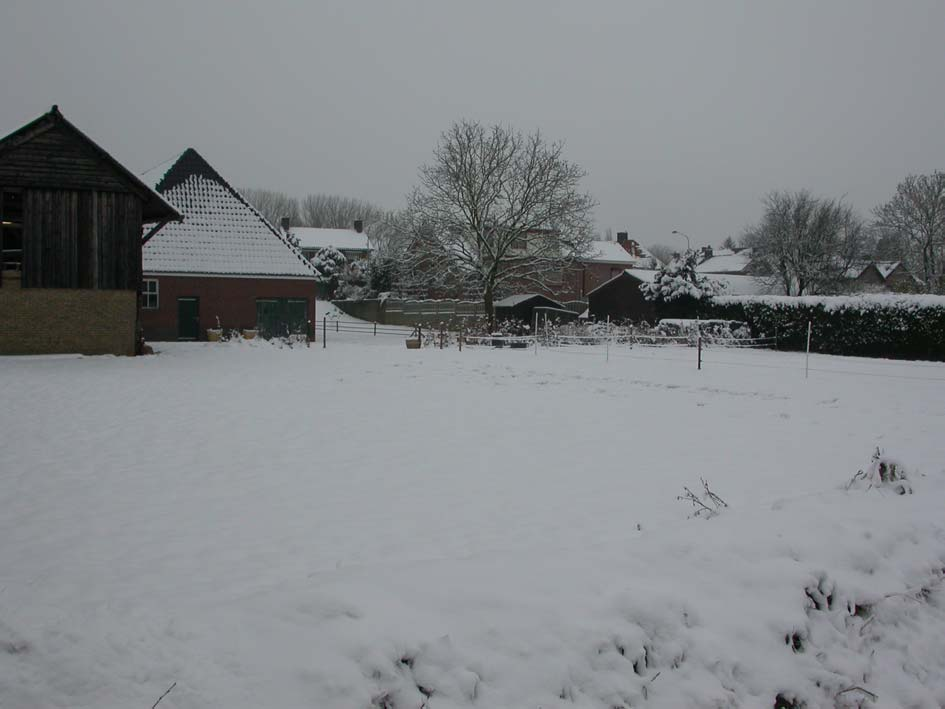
point(279, 317)
point(188, 319)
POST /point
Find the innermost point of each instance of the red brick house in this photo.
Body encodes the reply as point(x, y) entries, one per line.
point(607, 260)
point(222, 266)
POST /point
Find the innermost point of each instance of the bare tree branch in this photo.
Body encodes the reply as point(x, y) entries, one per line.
point(495, 210)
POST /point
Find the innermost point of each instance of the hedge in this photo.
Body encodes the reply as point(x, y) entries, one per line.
point(880, 325)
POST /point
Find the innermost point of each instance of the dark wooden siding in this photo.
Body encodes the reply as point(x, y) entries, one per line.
point(84, 239)
point(54, 158)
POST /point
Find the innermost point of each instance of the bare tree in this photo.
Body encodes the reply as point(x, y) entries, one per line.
point(662, 252)
point(497, 210)
point(915, 218)
point(805, 243)
point(273, 205)
point(335, 211)
point(730, 243)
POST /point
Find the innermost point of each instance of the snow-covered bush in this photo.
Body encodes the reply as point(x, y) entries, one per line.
point(883, 473)
point(887, 325)
point(330, 263)
point(679, 279)
point(353, 282)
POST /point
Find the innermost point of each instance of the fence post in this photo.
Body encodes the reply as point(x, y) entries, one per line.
point(324, 330)
point(607, 341)
point(375, 328)
point(337, 325)
point(699, 349)
point(807, 356)
point(420, 333)
point(535, 333)
point(462, 327)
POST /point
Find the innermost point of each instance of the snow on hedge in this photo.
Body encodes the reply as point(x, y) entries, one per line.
point(866, 301)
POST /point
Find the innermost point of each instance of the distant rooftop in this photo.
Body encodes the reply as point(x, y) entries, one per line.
point(342, 239)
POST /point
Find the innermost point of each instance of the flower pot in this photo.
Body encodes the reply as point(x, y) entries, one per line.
point(249, 334)
point(214, 334)
point(413, 343)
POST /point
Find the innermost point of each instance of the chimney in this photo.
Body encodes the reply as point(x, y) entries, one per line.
point(622, 237)
point(359, 225)
point(706, 253)
point(284, 223)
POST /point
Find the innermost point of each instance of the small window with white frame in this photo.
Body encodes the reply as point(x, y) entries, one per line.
point(149, 294)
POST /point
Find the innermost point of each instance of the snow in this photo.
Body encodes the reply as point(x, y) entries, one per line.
point(343, 239)
point(364, 526)
point(865, 301)
point(513, 300)
point(221, 234)
point(726, 261)
point(613, 252)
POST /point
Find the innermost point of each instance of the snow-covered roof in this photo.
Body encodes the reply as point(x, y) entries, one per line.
point(342, 239)
point(742, 285)
point(613, 252)
point(886, 267)
point(221, 233)
point(726, 261)
point(734, 284)
point(513, 300)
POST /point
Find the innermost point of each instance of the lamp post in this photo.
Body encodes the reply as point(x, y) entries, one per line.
point(686, 237)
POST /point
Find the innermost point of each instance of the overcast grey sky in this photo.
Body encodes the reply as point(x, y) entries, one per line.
point(684, 114)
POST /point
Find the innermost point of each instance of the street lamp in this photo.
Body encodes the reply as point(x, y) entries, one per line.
point(686, 237)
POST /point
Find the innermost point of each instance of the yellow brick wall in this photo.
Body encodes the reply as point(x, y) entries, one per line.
point(57, 321)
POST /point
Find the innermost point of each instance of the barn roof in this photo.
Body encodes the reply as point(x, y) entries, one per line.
point(221, 233)
point(513, 300)
point(154, 207)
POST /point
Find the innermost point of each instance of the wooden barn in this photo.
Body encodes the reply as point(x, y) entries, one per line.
point(70, 244)
point(223, 267)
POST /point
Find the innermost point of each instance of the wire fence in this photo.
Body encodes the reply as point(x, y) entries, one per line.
point(692, 348)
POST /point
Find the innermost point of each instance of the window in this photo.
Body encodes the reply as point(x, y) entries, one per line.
point(11, 230)
point(149, 294)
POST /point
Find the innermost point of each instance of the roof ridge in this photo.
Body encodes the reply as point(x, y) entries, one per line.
point(190, 163)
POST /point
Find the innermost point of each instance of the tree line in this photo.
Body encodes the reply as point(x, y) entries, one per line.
point(315, 210)
point(498, 211)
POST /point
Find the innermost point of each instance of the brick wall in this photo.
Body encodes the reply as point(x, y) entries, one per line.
point(59, 321)
point(232, 300)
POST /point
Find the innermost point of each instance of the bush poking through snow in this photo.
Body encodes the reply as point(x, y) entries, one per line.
point(706, 505)
point(883, 473)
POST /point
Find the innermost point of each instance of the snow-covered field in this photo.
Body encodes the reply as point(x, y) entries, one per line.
point(370, 526)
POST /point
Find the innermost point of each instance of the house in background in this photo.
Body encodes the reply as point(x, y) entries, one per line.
point(222, 266)
point(352, 243)
point(882, 277)
point(70, 242)
point(606, 260)
point(736, 262)
point(621, 299)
